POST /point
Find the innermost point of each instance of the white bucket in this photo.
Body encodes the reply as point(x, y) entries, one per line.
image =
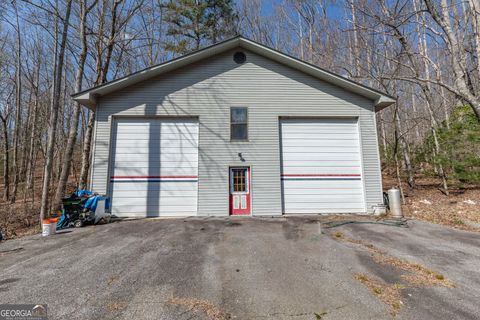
point(46, 229)
point(49, 226)
point(379, 209)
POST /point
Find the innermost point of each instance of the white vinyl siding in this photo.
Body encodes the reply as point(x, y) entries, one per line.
point(154, 167)
point(321, 166)
point(207, 90)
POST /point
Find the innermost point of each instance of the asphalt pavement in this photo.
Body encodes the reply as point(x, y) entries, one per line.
point(242, 268)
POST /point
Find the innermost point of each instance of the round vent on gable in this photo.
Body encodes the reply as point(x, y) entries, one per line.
point(239, 57)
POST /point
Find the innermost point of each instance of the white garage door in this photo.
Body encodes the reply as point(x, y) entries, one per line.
point(321, 166)
point(154, 167)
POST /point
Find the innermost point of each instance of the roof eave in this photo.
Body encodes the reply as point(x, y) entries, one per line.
point(382, 102)
point(89, 97)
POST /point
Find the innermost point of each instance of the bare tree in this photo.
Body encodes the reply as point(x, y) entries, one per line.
point(18, 104)
point(104, 50)
point(54, 113)
point(457, 51)
point(6, 156)
point(85, 8)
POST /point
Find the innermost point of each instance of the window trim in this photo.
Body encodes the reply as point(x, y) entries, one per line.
point(239, 123)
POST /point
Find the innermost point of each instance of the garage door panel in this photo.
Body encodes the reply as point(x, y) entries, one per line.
point(332, 150)
point(325, 210)
point(343, 143)
point(164, 128)
point(322, 205)
point(321, 166)
point(184, 163)
point(322, 198)
point(317, 156)
point(159, 171)
point(153, 186)
point(324, 191)
point(151, 211)
point(151, 202)
point(327, 124)
point(192, 158)
point(300, 184)
point(312, 129)
point(322, 169)
point(164, 125)
point(158, 192)
point(144, 170)
point(314, 136)
point(155, 167)
point(156, 132)
point(156, 135)
point(172, 151)
point(159, 141)
point(146, 174)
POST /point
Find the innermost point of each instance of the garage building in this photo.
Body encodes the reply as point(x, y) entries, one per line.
point(235, 129)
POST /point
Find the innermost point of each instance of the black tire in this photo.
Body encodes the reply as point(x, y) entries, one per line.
point(78, 224)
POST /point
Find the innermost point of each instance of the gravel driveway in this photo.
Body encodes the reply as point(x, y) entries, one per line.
point(244, 268)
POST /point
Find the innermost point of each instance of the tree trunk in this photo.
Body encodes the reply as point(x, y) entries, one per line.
point(429, 103)
point(355, 48)
point(6, 155)
point(18, 109)
point(72, 134)
point(406, 153)
point(54, 116)
point(102, 71)
point(415, 113)
point(395, 153)
point(32, 154)
point(87, 145)
point(31, 163)
point(383, 133)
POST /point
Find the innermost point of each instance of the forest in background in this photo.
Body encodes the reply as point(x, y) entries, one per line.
point(423, 52)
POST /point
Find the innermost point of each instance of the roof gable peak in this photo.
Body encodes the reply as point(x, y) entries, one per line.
point(88, 97)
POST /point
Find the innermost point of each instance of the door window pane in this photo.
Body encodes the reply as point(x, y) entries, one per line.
point(239, 177)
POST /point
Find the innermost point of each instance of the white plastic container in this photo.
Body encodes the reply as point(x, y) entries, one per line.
point(49, 226)
point(46, 228)
point(379, 209)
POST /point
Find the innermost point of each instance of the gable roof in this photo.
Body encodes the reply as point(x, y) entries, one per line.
point(88, 97)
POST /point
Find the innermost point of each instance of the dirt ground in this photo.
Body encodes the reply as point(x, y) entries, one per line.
point(19, 219)
point(460, 209)
point(23, 217)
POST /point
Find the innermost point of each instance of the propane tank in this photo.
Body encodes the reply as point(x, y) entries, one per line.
point(395, 203)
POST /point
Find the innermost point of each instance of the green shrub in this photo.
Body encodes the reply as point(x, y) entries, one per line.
point(460, 146)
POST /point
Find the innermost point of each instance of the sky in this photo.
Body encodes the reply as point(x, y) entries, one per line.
point(334, 10)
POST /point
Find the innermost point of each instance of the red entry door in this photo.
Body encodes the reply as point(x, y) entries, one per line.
point(240, 191)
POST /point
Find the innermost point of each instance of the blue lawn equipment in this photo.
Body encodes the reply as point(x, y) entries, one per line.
point(79, 209)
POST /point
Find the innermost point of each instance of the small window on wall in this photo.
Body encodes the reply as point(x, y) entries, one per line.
point(239, 124)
